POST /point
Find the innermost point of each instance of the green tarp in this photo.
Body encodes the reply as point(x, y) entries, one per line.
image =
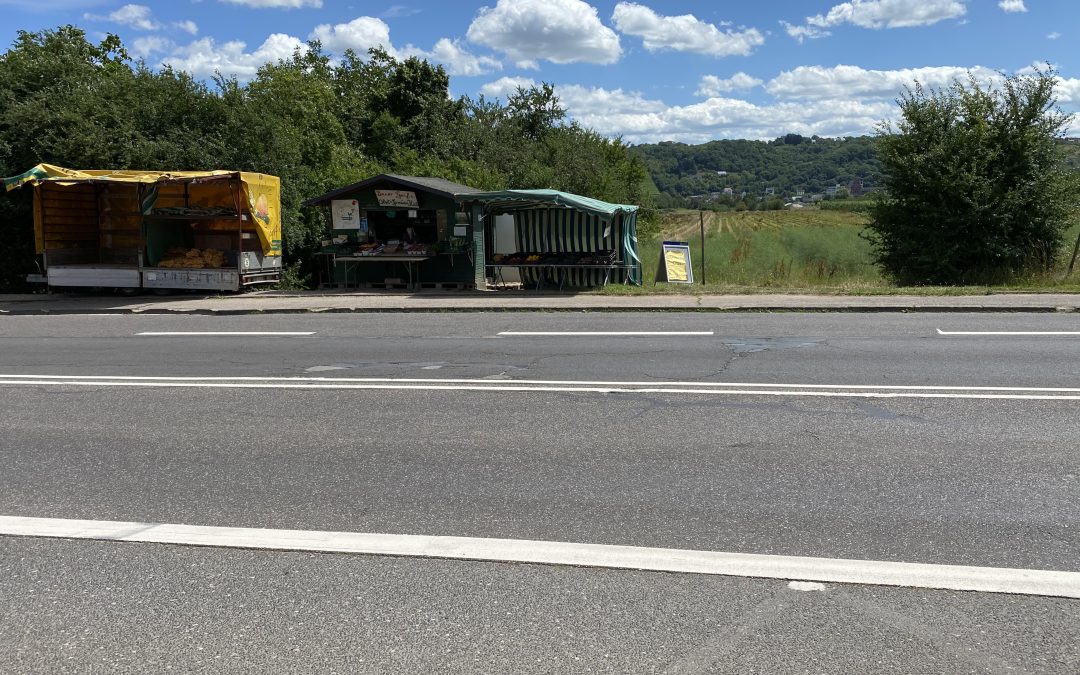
point(560, 222)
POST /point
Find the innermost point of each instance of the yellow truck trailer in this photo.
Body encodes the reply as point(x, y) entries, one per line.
point(206, 230)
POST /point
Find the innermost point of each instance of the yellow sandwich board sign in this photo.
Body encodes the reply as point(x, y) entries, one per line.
point(675, 265)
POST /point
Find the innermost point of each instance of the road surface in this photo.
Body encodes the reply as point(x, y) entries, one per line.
point(940, 439)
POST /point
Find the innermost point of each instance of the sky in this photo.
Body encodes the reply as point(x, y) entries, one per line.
point(648, 71)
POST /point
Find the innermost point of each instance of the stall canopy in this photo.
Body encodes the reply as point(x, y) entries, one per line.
point(554, 221)
point(262, 193)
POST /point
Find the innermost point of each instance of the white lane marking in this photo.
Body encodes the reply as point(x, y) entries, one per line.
point(482, 381)
point(223, 332)
point(1048, 583)
point(525, 386)
point(1005, 332)
point(489, 385)
point(632, 333)
point(806, 586)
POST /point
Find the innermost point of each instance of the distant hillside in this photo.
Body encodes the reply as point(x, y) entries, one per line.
point(787, 165)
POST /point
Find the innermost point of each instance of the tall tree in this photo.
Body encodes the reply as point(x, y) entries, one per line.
point(977, 189)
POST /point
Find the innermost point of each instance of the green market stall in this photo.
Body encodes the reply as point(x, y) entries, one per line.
point(411, 232)
point(393, 231)
point(562, 239)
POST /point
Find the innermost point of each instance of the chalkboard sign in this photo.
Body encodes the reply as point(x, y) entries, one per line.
point(674, 267)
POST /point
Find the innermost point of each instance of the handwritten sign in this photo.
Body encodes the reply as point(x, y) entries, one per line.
point(401, 198)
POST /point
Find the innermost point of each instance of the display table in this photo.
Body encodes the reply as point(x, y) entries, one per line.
point(560, 272)
point(409, 261)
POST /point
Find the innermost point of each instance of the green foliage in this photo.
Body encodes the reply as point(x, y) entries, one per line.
point(861, 205)
point(788, 164)
point(314, 123)
point(977, 188)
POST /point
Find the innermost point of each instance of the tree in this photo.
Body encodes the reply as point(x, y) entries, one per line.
point(977, 190)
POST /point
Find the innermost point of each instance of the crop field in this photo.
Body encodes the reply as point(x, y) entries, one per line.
point(807, 250)
point(773, 248)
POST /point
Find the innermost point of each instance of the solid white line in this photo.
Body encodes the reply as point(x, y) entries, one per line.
point(219, 332)
point(1002, 332)
point(1048, 583)
point(633, 333)
point(540, 388)
point(481, 381)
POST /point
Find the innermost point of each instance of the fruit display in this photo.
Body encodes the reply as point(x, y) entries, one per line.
point(193, 258)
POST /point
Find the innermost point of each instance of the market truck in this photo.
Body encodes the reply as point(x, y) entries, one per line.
point(197, 230)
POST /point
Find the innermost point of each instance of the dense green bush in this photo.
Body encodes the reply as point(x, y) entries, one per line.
point(977, 190)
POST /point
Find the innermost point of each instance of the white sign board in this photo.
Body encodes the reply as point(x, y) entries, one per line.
point(675, 267)
point(402, 198)
point(346, 214)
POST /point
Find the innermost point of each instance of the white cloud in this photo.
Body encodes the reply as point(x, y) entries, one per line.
point(457, 60)
point(560, 31)
point(1068, 92)
point(641, 120)
point(847, 101)
point(275, 4)
point(504, 87)
point(1012, 5)
point(711, 85)
point(145, 46)
point(365, 32)
point(801, 33)
point(138, 17)
point(204, 58)
point(188, 26)
point(843, 81)
point(879, 14)
point(1053, 36)
point(359, 35)
point(685, 33)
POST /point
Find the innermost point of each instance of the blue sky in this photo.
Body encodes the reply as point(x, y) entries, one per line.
point(652, 70)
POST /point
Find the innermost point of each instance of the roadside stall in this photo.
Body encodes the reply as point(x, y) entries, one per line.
point(560, 239)
point(205, 230)
point(392, 231)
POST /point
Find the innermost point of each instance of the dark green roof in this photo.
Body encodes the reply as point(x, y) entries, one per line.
point(438, 186)
point(516, 200)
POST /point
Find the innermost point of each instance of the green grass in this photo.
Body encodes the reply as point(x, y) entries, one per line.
point(803, 251)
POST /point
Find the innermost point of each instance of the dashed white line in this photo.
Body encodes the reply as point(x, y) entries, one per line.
point(630, 333)
point(1048, 583)
point(1048, 333)
point(174, 333)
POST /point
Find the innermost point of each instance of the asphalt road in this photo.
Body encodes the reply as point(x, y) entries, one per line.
point(949, 480)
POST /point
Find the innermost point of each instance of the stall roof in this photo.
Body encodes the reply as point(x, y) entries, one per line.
point(49, 173)
point(517, 200)
point(439, 186)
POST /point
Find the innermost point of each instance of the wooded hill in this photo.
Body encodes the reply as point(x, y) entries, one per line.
point(788, 164)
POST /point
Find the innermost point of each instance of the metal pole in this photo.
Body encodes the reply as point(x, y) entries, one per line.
point(701, 216)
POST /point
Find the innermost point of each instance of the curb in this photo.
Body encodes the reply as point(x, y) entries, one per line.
point(766, 309)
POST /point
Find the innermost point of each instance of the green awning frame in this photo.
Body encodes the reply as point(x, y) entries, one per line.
point(505, 201)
